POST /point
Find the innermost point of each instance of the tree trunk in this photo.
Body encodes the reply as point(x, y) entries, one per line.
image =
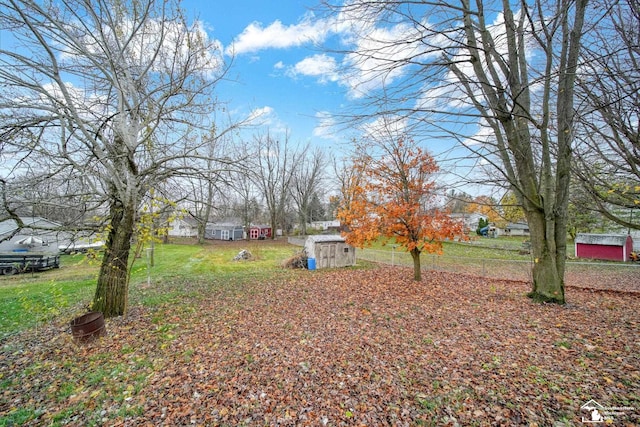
point(202, 230)
point(303, 223)
point(274, 222)
point(548, 261)
point(112, 292)
point(417, 271)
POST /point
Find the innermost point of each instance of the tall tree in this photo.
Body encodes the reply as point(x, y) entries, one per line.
point(459, 202)
point(485, 206)
point(113, 90)
point(395, 201)
point(317, 210)
point(307, 179)
point(273, 172)
point(582, 217)
point(247, 204)
point(507, 70)
point(608, 155)
point(511, 208)
point(202, 189)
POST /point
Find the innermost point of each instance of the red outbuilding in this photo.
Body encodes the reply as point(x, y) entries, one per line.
point(610, 247)
point(259, 232)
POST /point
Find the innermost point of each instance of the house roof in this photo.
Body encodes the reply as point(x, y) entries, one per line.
point(466, 215)
point(189, 221)
point(518, 225)
point(602, 239)
point(211, 225)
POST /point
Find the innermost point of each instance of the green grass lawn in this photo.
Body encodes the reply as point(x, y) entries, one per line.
point(502, 248)
point(31, 298)
point(27, 300)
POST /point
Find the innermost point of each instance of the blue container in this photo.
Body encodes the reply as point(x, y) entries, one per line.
point(311, 263)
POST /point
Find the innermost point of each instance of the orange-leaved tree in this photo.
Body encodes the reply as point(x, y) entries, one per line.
point(394, 197)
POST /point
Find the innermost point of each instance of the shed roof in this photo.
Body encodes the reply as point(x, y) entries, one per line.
point(326, 238)
point(223, 226)
point(602, 239)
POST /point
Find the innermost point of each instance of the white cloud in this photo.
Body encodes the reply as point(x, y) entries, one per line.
point(326, 127)
point(321, 66)
point(266, 117)
point(381, 55)
point(483, 135)
point(385, 128)
point(278, 65)
point(162, 45)
point(260, 115)
point(255, 37)
point(450, 94)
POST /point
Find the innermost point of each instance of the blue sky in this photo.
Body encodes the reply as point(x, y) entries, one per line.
point(281, 74)
point(281, 70)
point(273, 70)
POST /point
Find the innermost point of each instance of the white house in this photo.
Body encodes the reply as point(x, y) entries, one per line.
point(183, 227)
point(326, 225)
point(517, 229)
point(469, 220)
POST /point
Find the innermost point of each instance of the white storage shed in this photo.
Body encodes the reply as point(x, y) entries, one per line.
point(330, 251)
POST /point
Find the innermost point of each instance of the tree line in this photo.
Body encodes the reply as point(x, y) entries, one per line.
point(106, 105)
point(541, 91)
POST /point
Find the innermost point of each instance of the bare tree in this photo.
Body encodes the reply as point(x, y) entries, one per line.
point(118, 91)
point(307, 179)
point(274, 169)
point(246, 196)
point(608, 155)
point(505, 70)
point(202, 190)
point(348, 179)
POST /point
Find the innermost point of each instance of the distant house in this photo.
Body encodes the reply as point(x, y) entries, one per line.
point(517, 229)
point(257, 232)
point(610, 247)
point(332, 225)
point(230, 230)
point(31, 238)
point(330, 251)
point(183, 227)
point(469, 220)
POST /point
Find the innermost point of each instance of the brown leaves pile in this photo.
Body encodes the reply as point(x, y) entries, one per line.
point(298, 260)
point(349, 347)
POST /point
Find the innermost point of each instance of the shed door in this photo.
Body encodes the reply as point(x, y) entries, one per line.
point(224, 234)
point(327, 256)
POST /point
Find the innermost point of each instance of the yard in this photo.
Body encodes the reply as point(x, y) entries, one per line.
point(209, 341)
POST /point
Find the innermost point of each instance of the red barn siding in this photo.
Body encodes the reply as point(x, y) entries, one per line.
point(256, 231)
point(605, 252)
point(628, 248)
point(602, 246)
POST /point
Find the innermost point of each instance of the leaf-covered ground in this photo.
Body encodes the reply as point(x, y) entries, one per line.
point(348, 347)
